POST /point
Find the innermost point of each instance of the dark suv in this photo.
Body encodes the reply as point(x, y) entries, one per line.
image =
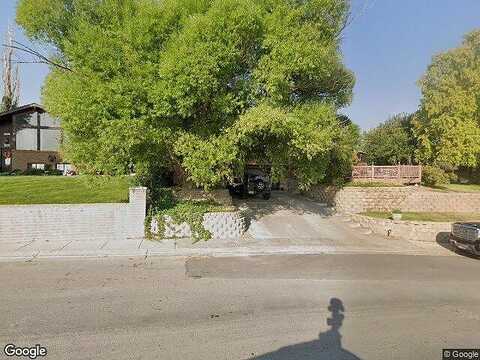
point(466, 236)
point(254, 182)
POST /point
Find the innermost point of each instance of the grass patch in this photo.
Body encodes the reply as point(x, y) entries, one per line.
point(21, 190)
point(460, 187)
point(371, 184)
point(426, 216)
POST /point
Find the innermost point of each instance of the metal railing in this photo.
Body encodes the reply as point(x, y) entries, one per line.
point(401, 173)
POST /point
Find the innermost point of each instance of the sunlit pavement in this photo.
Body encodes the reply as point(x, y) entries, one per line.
point(332, 306)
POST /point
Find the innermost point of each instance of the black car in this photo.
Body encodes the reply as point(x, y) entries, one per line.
point(254, 182)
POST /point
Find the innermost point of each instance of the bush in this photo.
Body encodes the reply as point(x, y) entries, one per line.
point(34, 172)
point(453, 177)
point(40, 172)
point(434, 176)
point(53, 172)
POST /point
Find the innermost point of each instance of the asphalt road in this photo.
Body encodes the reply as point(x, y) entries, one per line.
point(273, 307)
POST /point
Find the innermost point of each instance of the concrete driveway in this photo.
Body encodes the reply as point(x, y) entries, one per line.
point(292, 220)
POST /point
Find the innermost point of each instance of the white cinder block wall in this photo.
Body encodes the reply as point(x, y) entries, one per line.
point(75, 221)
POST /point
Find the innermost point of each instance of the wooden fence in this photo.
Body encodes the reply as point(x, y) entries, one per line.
point(406, 174)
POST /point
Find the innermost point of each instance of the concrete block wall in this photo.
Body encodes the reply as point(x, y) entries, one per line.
point(222, 225)
point(80, 222)
point(409, 199)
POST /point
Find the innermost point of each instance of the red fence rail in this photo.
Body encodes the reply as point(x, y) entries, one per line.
point(411, 174)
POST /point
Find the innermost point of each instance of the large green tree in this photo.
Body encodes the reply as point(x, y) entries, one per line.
point(391, 142)
point(207, 85)
point(448, 123)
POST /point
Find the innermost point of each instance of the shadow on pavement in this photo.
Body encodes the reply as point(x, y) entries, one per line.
point(256, 208)
point(328, 346)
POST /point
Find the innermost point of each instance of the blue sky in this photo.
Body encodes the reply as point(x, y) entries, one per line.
point(388, 46)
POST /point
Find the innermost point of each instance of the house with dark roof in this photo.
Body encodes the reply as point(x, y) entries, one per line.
point(30, 138)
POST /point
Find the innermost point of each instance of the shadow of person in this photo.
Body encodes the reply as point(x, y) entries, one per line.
point(327, 347)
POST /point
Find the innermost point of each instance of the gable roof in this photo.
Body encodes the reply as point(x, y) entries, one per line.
point(32, 106)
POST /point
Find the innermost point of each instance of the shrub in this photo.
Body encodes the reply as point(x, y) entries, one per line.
point(453, 177)
point(40, 172)
point(34, 172)
point(434, 176)
point(53, 172)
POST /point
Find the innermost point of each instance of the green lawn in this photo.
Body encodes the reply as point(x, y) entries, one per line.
point(63, 190)
point(461, 187)
point(426, 216)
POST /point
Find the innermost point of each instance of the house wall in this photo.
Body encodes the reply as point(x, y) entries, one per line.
point(5, 127)
point(75, 221)
point(21, 158)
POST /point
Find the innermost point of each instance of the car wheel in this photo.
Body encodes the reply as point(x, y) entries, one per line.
point(260, 185)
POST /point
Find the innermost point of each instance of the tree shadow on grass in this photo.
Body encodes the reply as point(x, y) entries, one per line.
point(328, 346)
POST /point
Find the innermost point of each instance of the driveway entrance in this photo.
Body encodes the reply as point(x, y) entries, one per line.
point(289, 220)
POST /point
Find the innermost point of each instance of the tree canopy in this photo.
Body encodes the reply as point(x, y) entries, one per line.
point(207, 85)
point(448, 123)
point(390, 143)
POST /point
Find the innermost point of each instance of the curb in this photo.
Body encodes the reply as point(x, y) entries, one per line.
point(223, 252)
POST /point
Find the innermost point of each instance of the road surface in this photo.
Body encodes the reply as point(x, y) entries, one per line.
point(272, 307)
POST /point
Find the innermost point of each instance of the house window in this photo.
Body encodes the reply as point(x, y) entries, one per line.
point(49, 139)
point(27, 120)
point(37, 166)
point(46, 120)
point(64, 168)
point(6, 140)
point(37, 131)
point(27, 139)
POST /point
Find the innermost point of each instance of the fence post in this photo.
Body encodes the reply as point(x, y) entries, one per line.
point(373, 172)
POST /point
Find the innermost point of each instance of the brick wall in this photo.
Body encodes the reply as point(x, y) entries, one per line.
point(75, 221)
point(411, 198)
point(21, 158)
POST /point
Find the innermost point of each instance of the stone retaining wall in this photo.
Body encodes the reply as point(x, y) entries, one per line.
point(409, 230)
point(222, 225)
point(407, 199)
point(75, 221)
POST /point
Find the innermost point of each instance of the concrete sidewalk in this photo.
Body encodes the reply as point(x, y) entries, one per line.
point(184, 247)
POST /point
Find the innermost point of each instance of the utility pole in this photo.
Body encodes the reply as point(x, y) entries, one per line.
point(10, 74)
